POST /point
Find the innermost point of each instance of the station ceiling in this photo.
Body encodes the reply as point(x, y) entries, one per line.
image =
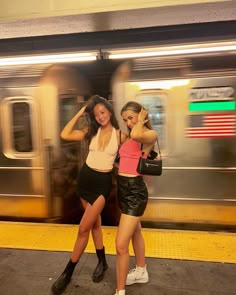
point(31, 9)
point(30, 18)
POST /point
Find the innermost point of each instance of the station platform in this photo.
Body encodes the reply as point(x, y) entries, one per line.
point(33, 255)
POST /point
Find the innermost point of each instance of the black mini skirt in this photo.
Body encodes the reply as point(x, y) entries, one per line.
point(92, 184)
point(132, 195)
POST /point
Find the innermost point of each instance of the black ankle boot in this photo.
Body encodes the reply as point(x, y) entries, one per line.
point(101, 267)
point(61, 283)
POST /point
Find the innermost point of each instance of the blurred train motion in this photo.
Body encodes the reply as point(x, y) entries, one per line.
point(191, 102)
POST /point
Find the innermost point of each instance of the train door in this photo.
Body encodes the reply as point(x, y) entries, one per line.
point(22, 173)
point(156, 101)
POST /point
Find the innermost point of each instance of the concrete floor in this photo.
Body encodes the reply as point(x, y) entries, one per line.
point(27, 272)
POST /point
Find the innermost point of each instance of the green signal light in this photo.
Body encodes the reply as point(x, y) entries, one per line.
point(212, 106)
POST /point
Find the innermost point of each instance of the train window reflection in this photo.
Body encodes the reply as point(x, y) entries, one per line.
point(69, 106)
point(67, 110)
point(21, 127)
point(154, 103)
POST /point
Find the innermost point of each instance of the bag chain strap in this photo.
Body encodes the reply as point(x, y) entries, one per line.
point(159, 150)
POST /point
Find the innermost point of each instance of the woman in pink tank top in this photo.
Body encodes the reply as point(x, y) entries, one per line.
point(132, 196)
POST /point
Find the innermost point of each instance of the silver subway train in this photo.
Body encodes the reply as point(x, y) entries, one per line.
point(190, 96)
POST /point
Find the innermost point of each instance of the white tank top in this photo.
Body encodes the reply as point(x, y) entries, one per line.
point(102, 160)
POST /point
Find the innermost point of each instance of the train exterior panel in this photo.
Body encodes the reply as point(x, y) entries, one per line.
point(191, 103)
point(194, 113)
point(37, 168)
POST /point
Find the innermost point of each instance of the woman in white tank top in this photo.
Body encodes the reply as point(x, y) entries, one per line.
point(94, 182)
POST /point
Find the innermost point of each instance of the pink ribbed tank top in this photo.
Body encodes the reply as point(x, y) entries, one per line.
point(130, 153)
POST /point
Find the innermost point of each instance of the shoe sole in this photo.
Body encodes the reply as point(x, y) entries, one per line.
point(99, 279)
point(137, 282)
point(56, 291)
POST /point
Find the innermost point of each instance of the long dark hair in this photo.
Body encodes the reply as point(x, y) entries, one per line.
point(135, 107)
point(92, 123)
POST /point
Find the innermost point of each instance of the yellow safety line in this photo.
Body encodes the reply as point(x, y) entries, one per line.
point(171, 244)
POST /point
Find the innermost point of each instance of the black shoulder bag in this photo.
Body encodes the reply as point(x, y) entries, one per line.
point(152, 165)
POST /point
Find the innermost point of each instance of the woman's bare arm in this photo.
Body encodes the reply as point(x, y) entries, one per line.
point(74, 135)
point(124, 136)
point(140, 133)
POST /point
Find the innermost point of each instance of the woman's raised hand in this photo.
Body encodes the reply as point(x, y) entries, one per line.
point(81, 112)
point(142, 116)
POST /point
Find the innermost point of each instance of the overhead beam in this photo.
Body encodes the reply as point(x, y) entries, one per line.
point(118, 39)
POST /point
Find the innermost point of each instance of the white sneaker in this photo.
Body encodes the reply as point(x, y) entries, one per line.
point(137, 275)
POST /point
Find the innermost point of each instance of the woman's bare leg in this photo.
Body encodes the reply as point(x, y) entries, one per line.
point(96, 229)
point(91, 214)
point(125, 232)
point(101, 266)
point(139, 246)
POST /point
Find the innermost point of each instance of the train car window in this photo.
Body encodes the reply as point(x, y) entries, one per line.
point(154, 102)
point(20, 132)
point(67, 110)
point(69, 106)
point(21, 127)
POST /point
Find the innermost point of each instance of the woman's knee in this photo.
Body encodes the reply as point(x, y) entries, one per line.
point(84, 230)
point(121, 248)
point(97, 224)
point(138, 230)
